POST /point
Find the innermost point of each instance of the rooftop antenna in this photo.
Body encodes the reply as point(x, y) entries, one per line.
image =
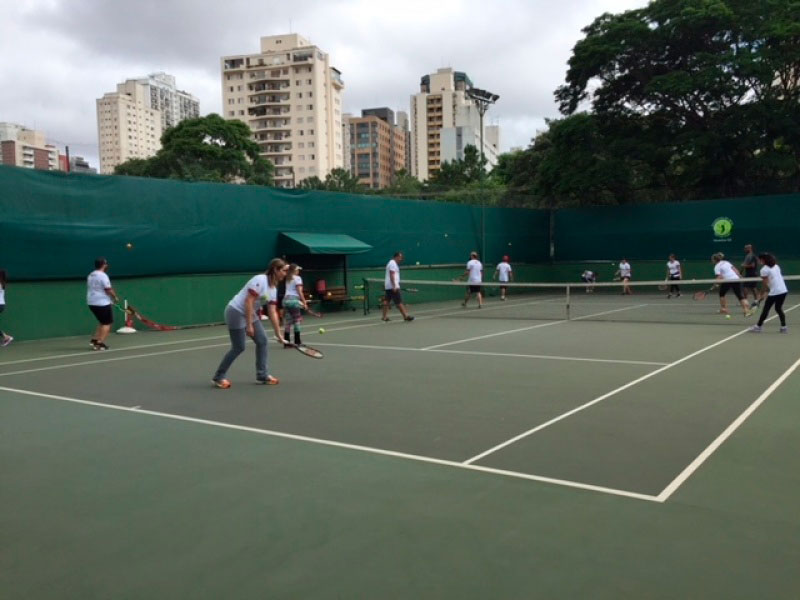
point(290, 26)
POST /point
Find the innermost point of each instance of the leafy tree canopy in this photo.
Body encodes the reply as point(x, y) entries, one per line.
point(207, 148)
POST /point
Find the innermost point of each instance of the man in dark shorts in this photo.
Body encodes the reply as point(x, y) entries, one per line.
point(392, 288)
point(100, 296)
point(750, 269)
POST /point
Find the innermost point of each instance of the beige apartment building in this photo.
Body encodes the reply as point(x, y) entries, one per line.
point(131, 120)
point(377, 147)
point(291, 98)
point(444, 120)
point(23, 147)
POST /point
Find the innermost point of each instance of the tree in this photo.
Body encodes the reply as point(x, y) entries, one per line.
point(710, 87)
point(207, 148)
point(338, 180)
point(404, 183)
point(461, 172)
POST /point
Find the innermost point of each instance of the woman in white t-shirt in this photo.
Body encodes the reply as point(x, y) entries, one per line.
point(775, 286)
point(625, 275)
point(100, 296)
point(589, 277)
point(294, 303)
point(5, 339)
point(729, 276)
point(241, 317)
point(674, 273)
point(474, 276)
point(503, 274)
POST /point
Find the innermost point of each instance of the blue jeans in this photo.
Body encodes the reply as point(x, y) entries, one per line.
point(234, 320)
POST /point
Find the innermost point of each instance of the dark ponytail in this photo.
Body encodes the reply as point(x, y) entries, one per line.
point(768, 259)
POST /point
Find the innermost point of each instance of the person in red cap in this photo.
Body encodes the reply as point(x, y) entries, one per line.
point(503, 274)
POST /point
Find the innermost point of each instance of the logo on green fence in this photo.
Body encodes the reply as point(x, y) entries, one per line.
point(723, 229)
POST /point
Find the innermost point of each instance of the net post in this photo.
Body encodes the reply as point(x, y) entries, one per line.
point(128, 327)
point(568, 290)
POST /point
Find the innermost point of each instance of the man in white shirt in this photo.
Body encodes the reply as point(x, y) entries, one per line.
point(99, 297)
point(392, 289)
point(503, 274)
point(474, 276)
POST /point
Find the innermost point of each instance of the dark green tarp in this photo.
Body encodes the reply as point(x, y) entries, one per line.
point(320, 243)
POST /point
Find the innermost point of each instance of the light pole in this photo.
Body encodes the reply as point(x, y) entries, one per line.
point(482, 100)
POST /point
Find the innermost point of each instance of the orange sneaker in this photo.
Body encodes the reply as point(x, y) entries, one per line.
point(222, 384)
point(270, 380)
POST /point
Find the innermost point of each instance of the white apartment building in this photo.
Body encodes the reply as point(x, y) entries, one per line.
point(23, 147)
point(444, 120)
point(131, 120)
point(291, 98)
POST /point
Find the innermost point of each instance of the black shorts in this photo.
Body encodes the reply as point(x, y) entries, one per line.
point(474, 289)
point(735, 287)
point(587, 279)
point(103, 314)
point(393, 296)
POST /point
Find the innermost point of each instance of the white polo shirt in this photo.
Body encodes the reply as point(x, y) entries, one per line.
point(291, 286)
point(475, 269)
point(96, 285)
point(503, 271)
point(624, 269)
point(257, 286)
point(391, 267)
point(674, 267)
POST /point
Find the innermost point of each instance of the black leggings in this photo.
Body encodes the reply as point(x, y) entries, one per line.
point(778, 302)
point(674, 288)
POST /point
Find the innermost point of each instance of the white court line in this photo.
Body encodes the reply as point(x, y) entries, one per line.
point(609, 394)
point(356, 447)
point(501, 354)
point(548, 324)
point(712, 447)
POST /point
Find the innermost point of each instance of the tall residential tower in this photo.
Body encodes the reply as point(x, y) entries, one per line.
point(291, 98)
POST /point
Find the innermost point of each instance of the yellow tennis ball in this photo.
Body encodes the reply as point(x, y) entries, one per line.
point(129, 245)
point(322, 330)
point(727, 316)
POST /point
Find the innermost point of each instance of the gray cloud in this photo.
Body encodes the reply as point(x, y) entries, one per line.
point(67, 54)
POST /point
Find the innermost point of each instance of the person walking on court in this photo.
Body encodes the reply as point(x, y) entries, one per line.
point(474, 276)
point(294, 303)
point(775, 286)
point(750, 269)
point(391, 285)
point(625, 276)
point(674, 273)
point(100, 296)
point(729, 276)
point(241, 317)
point(589, 277)
point(5, 339)
point(503, 273)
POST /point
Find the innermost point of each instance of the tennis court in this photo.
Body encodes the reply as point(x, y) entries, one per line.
point(471, 453)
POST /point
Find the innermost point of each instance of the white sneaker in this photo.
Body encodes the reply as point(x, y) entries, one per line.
point(755, 329)
point(6, 341)
point(784, 329)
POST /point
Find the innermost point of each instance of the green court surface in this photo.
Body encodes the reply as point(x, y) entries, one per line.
point(456, 456)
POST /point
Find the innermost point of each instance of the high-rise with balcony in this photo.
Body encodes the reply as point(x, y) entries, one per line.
point(291, 98)
point(377, 147)
point(23, 147)
point(444, 121)
point(131, 120)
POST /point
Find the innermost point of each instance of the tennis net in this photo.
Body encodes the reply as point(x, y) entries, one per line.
point(683, 301)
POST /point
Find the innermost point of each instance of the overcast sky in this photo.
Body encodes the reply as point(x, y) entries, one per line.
point(59, 56)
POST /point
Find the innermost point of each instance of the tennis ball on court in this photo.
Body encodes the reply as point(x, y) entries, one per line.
point(727, 316)
point(129, 245)
point(322, 330)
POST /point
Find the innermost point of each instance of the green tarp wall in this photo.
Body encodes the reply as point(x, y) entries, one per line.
point(52, 226)
point(653, 231)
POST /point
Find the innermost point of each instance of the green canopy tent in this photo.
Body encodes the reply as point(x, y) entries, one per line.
point(326, 244)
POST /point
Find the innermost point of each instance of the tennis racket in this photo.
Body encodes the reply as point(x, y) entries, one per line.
point(304, 349)
point(662, 287)
point(410, 290)
point(702, 294)
point(130, 310)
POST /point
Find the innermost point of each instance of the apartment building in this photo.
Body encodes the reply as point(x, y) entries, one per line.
point(291, 98)
point(131, 120)
point(444, 120)
point(377, 147)
point(23, 147)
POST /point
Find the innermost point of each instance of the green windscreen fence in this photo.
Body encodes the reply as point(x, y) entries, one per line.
point(52, 226)
point(692, 230)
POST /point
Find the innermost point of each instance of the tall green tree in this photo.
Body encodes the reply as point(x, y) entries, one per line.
point(461, 172)
point(711, 89)
point(338, 180)
point(207, 148)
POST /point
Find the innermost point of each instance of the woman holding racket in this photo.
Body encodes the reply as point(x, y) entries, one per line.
point(674, 273)
point(729, 276)
point(294, 303)
point(241, 317)
point(773, 282)
point(5, 339)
